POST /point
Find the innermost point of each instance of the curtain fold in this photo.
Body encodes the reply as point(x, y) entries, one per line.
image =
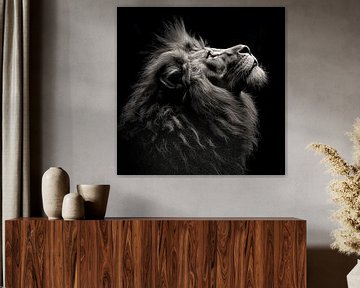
point(15, 162)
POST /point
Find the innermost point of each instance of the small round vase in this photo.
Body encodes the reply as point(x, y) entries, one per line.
point(55, 185)
point(73, 207)
point(96, 198)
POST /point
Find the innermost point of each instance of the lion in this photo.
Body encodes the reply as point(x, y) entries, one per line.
point(190, 113)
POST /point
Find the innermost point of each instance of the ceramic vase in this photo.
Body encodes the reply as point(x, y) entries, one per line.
point(73, 207)
point(96, 198)
point(55, 185)
point(353, 278)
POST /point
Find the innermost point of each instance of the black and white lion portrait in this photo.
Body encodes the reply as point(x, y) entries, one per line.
point(190, 111)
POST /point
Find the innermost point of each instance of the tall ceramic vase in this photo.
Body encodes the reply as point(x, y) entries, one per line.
point(353, 278)
point(55, 185)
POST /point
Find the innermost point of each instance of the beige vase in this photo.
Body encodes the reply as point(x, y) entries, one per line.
point(96, 198)
point(73, 207)
point(55, 185)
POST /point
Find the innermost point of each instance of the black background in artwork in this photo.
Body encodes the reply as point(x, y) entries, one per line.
point(262, 29)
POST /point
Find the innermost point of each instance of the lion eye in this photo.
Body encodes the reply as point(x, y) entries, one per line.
point(211, 55)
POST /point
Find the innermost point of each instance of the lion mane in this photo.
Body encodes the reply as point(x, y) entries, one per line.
point(189, 112)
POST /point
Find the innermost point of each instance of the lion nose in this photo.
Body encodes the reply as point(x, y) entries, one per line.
point(238, 50)
point(243, 49)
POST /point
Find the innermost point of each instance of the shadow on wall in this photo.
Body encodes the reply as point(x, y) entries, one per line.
point(35, 64)
point(328, 268)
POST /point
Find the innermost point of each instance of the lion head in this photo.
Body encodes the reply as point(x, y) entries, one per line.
point(189, 113)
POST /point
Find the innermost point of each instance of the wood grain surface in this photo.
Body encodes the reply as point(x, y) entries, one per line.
point(137, 253)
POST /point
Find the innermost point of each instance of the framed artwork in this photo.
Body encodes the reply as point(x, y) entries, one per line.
point(201, 91)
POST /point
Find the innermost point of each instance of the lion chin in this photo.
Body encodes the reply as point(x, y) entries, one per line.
point(257, 78)
point(184, 115)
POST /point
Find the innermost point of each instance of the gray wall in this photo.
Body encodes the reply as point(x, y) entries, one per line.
point(74, 113)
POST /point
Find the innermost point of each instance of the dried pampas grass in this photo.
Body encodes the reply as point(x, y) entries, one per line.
point(345, 192)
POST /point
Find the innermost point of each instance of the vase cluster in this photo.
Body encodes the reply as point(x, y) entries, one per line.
point(89, 202)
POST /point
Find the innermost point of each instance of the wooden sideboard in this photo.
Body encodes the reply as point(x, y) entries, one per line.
point(156, 252)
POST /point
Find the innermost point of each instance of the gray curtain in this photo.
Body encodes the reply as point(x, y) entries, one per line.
point(14, 27)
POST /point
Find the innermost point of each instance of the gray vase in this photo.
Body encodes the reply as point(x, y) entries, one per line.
point(96, 198)
point(55, 185)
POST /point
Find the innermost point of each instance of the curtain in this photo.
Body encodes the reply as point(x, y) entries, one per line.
point(15, 162)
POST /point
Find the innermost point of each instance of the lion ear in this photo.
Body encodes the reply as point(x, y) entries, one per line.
point(171, 78)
